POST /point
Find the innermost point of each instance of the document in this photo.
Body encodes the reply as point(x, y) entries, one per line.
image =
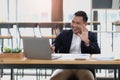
point(75, 56)
point(102, 57)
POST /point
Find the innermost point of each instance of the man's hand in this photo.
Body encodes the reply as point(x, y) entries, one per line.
point(52, 48)
point(84, 35)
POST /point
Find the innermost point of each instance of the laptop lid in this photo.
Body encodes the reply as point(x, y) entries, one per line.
point(37, 48)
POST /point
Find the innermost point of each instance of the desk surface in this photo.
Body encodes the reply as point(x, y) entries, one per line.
point(33, 61)
point(58, 61)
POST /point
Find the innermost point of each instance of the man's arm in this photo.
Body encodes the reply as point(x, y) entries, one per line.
point(93, 44)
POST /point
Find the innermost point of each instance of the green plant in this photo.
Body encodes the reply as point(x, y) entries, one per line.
point(7, 50)
point(15, 50)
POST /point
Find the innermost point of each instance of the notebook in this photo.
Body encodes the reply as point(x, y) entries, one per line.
point(37, 48)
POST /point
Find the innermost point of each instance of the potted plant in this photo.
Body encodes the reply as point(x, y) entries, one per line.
point(12, 53)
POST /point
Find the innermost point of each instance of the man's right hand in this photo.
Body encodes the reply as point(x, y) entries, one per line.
point(52, 47)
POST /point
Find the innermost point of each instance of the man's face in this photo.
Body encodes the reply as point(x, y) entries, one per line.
point(77, 24)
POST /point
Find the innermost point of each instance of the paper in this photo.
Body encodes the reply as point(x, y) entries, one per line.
point(75, 56)
point(102, 57)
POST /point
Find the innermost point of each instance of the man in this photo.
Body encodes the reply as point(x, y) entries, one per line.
point(75, 41)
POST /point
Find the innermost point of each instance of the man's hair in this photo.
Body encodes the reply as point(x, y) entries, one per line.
point(82, 14)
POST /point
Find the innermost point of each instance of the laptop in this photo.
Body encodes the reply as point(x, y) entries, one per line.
point(38, 48)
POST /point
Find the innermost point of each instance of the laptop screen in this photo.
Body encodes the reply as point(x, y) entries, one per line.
point(36, 48)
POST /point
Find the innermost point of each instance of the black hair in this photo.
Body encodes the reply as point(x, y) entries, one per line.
point(82, 14)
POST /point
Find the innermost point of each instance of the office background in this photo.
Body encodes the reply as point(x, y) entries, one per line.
point(103, 11)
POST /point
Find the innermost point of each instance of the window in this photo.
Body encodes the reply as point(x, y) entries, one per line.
point(3, 10)
point(34, 10)
point(71, 6)
point(25, 11)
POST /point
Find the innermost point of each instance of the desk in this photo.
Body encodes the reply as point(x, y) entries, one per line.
point(60, 63)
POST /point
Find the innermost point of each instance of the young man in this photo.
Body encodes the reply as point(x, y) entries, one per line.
point(75, 41)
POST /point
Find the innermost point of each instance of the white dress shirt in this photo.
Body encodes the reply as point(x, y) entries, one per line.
point(75, 45)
